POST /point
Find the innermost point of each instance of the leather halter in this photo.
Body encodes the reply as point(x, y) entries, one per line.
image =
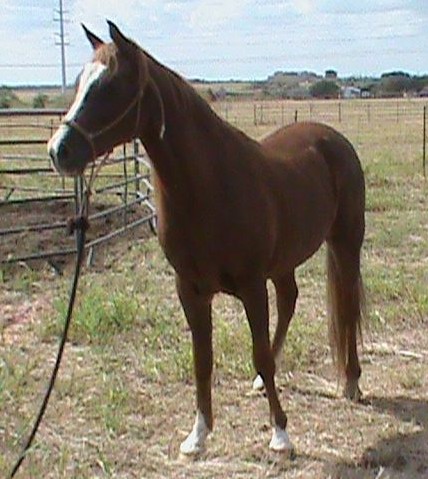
point(90, 137)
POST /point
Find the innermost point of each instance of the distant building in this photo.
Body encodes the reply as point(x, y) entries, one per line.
point(424, 92)
point(366, 93)
point(348, 92)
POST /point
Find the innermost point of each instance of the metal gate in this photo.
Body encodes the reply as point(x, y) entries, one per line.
point(35, 201)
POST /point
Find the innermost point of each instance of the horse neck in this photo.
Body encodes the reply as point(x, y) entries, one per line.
point(194, 135)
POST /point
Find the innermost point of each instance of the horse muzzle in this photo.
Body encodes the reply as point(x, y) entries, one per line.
point(69, 151)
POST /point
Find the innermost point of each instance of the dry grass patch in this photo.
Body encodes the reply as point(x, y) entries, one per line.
point(125, 395)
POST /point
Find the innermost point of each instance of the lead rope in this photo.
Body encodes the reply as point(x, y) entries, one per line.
point(78, 225)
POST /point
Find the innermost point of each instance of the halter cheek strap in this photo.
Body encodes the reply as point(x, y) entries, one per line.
point(90, 137)
point(162, 108)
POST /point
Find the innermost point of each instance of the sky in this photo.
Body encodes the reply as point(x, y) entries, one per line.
point(221, 39)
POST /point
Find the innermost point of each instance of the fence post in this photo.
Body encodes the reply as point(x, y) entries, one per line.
point(255, 114)
point(296, 113)
point(424, 143)
point(136, 168)
point(282, 115)
point(340, 112)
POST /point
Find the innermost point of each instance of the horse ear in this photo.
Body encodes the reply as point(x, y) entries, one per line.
point(130, 49)
point(123, 43)
point(95, 41)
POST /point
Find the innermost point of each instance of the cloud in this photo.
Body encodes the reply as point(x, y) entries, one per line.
point(131, 15)
point(223, 38)
point(305, 7)
point(209, 14)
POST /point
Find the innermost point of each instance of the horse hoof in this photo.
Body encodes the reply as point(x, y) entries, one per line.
point(352, 391)
point(280, 442)
point(258, 384)
point(194, 444)
point(190, 449)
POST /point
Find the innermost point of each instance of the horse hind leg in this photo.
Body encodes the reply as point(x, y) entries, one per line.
point(346, 308)
point(286, 297)
point(255, 299)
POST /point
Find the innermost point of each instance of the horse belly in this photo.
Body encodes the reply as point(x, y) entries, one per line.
point(303, 226)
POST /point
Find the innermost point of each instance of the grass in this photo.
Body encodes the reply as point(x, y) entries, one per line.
point(125, 394)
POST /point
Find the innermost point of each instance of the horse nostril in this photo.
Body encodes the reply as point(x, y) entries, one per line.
point(53, 155)
point(63, 152)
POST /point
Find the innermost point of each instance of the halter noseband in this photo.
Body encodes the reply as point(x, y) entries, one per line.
point(90, 137)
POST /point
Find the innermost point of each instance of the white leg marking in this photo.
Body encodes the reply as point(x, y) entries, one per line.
point(280, 441)
point(195, 442)
point(258, 384)
point(91, 73)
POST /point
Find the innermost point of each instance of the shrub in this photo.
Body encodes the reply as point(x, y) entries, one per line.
point(7, 97)
point(324, 89)
point(40, 100)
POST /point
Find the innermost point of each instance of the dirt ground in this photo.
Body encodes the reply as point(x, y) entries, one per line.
point(384, 436)
point(57, 240)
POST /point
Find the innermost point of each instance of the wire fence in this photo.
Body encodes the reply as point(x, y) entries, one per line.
point(391, 126)
point(35, 201)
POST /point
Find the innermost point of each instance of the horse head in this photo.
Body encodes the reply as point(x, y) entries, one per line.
point(106, 110)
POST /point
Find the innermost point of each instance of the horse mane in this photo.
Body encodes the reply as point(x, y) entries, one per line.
point(184, 92)
point(182, 86)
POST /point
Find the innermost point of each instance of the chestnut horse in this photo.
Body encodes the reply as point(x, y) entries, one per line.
point(232, 212)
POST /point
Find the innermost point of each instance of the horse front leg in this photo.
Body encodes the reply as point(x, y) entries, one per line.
point(255, 299)
point(197, 309)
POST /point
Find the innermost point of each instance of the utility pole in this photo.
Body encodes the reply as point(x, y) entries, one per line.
point(62, 43)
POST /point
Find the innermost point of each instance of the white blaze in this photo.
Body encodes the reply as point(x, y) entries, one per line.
point(91, 73)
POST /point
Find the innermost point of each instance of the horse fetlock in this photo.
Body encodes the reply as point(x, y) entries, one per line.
point(352, 390)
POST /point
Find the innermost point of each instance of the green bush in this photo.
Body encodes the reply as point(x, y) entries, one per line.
point(40, 100)
point(7, 97)
point(324, 89)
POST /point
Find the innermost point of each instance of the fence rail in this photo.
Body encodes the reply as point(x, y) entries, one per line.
point(372, 125)
point(35, 201)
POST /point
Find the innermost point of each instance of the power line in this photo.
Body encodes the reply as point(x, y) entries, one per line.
point(62, 43)
point(247, 59)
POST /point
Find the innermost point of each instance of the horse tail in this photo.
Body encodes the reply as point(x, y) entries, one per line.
point(346, 308)
point(345, 290)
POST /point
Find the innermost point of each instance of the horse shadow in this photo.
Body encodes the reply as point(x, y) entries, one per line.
point(403, 455)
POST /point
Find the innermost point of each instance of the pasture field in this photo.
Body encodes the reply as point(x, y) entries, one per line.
point(124, 399)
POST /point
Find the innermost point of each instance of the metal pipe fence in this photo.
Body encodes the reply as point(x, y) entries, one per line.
point(35, 201)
